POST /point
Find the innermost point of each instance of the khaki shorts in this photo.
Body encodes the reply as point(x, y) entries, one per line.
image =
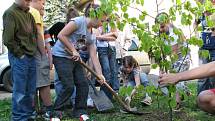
point(42, 70)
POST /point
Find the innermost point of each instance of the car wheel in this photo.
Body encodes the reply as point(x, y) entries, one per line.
point(7, 81)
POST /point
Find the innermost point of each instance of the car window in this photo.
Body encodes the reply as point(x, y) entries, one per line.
point(133, 46)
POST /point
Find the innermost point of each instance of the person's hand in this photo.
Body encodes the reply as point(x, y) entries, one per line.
point(166, 79)
point(102, 79)
point(88, 75)
point(115, 34)
point(75, 56)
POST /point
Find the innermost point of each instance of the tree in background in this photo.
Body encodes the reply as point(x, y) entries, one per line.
point(56, 9)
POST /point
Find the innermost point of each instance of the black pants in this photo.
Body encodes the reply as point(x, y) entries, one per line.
point(71, 73)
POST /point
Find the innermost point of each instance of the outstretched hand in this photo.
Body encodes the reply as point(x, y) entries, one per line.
point(166, 79)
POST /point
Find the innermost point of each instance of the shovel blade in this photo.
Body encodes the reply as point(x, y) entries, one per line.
point(101, 101)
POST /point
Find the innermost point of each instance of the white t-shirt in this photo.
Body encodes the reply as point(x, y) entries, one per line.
point(104, 43)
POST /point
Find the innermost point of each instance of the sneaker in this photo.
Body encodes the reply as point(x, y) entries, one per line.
point(54, 119)
point(84, 117)
point(90, 103)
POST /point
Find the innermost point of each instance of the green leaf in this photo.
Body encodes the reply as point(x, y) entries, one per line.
point(184, 51)
point(163, 18)
point(124, 8)
point(133, 20)
point(167, 64)
point(187, 5)
point(142, 2)
point(141, 26)
point(124, 91)
point(112, 24)
point(154, 66)
point(125, 15)
point(172, 88)
point(178, 2)
point(177, 31)
point(210, 23)
point(120, 25)
point(204, 54)
point(167, 49)
point(173, 103)
point(155, 28)
point(195, 41)
point(142, 17)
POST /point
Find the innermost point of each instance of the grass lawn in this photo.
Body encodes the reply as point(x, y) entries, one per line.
point(189, 112)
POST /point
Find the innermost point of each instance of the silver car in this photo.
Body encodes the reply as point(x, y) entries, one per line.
point(5, 72)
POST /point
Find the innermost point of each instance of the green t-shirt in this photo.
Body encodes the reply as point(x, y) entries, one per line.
point(19, 31)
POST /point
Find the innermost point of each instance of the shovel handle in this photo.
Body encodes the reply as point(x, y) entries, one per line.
point(106, 85)
point(126, 107)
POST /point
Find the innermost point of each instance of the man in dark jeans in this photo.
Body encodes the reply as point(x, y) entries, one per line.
point(19, 35)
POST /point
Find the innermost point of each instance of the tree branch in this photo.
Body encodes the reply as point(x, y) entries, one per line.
point(142, 12)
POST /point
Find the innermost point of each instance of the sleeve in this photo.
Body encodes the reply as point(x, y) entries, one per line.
point(9, 33)
point(136, 71)
point(8, 30)
point(78, 21)
point(36, 14)
point(91, 39)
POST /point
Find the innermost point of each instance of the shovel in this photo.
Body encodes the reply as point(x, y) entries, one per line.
point(126, 107)
point(123, 104)
point(101, 101)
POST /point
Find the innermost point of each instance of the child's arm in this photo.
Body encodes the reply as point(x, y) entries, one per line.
point(137, 81)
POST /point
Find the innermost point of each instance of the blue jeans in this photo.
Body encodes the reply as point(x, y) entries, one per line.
point(143, 78)
point(107, 58)
point(24, 86)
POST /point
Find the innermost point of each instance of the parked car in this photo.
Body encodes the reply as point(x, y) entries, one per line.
point(5, 72)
